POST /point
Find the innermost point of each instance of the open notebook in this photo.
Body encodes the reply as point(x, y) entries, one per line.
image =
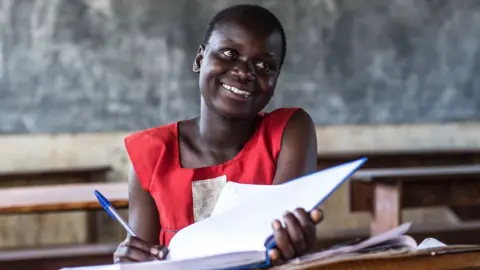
point(394, 239)
point(238, 233)
point(375, 252)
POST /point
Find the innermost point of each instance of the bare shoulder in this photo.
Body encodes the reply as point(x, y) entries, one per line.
point(300, 127)
point(298, 154)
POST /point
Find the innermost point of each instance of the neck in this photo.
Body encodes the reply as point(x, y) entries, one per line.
point(217, 131)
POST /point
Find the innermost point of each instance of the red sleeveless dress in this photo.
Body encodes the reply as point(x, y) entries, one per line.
point(185, 195)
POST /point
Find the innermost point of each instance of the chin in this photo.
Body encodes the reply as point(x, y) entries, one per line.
point(236, 114)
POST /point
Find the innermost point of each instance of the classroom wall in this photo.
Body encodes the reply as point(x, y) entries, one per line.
point(118, 65)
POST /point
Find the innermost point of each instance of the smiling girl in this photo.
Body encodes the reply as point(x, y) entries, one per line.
point(179, 169)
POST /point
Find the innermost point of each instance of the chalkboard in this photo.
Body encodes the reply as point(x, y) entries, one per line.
point(88, 66)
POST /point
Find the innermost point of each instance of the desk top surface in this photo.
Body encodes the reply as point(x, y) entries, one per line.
point(61, 197)
point(420, 260)
point(421, 172)
point(460, 258)
point(55, 171)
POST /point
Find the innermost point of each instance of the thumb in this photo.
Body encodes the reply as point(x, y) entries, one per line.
point(159, 251)
point(316, 215)
point(275, 257)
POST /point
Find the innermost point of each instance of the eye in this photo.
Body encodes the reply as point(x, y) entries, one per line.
point(229, 53)
point(263, 66)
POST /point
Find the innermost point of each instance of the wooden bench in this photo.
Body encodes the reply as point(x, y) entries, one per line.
point(362, 194)
point(37, 193)
point(54, 258)
point(68, 197)
point(58, 176)
point(50, 176)
point(385, 192)
point(403, 158)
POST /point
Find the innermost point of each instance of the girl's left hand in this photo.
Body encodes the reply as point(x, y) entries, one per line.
point(297, 237)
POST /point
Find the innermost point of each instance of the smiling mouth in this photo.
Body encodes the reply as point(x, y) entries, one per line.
point(237, 91)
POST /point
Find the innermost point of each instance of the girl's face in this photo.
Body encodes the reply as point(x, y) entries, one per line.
point(239, 69)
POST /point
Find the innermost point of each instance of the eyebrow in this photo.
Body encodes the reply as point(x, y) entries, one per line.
point(229, 41)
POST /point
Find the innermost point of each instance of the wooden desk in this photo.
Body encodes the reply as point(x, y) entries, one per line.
point(49, 176)
point(69, 197)
point(59, 190)
point(54, 258)
point(55, 176)
point(385, 192)
point(403, 159)
point(420, 260)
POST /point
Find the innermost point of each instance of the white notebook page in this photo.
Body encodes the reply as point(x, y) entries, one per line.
point(245, 226)
point(235, 194)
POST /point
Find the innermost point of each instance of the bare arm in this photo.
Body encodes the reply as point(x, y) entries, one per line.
point(298, 155)
point(142, 211)
point(143, 218)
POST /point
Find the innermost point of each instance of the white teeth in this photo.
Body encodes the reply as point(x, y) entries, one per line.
point(236, 90)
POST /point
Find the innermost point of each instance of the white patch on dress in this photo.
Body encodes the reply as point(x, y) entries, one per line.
point(205, 195)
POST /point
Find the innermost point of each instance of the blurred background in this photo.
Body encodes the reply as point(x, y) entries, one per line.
point(395, 79)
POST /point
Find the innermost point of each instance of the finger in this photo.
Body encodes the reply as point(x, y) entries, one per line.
point(137, 243)
point(282, 240)
point(316, 215)
point(159, 251)
point(307, 226)
point(123, 260)
point(295, 233)
point(275, 257)
point(132, 254)
point(120, 254)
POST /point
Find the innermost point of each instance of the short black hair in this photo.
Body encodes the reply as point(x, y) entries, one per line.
point(257, 15)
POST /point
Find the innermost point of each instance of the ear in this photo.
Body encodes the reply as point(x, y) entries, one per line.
point(198, 59)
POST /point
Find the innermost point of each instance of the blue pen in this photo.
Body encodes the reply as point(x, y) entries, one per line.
point(107, 206)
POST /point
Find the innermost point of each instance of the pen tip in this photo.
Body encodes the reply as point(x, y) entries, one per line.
point(99, 195)
point(103, 201)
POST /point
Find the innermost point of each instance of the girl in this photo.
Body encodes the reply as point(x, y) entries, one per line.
point(179, 169)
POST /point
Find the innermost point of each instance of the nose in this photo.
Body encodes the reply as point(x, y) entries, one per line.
point(244, 70)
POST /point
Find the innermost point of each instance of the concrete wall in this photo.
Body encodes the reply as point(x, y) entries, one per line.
point(111, 65)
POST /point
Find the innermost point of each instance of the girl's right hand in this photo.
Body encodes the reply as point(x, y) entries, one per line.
point(133, 249)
